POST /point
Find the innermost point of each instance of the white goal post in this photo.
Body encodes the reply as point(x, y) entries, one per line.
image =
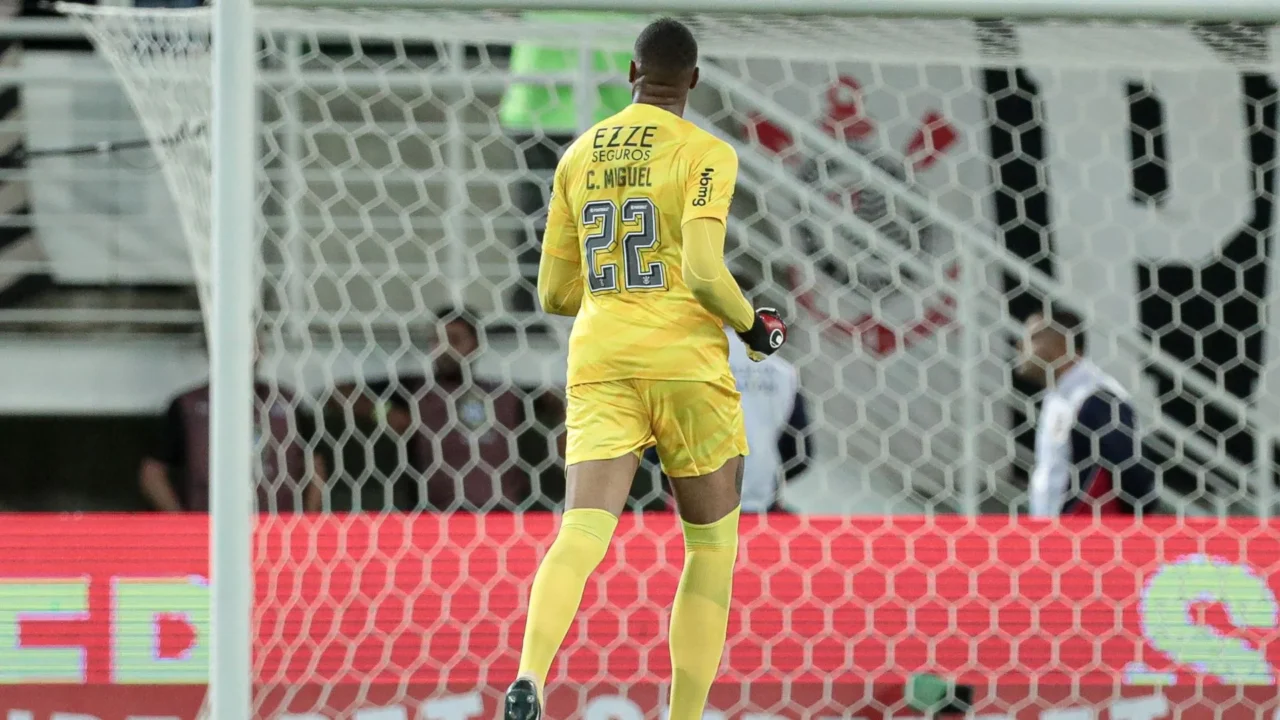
point(906, 308)
point(232, 310)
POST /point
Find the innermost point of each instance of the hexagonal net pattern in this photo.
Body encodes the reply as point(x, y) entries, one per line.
point(917, 195)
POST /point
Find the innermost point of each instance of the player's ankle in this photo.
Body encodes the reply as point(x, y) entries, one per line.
point(537, 685)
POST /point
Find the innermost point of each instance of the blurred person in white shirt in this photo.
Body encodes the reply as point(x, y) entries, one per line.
point(778, 427)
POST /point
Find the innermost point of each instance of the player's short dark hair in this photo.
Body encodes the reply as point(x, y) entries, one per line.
point(1068, 323)
point(447, 314)
point(666, 48)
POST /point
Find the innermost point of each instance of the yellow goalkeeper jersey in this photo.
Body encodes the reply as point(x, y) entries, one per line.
point(621, 193)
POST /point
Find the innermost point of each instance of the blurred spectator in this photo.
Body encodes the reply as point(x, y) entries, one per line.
point(368, 460)
point(779, 432)
point(543, 118)
point(175, 473)
point(472, 444)
point(1088, 456)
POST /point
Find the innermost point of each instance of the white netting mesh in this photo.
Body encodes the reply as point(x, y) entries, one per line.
point(910, 190)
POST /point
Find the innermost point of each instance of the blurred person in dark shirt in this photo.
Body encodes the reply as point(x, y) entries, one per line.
point(290, 475)
point(472, 444)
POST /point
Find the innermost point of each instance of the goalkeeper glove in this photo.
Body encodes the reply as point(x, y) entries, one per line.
point(766, 335)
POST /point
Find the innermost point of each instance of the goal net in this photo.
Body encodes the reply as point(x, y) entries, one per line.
point(910, 192)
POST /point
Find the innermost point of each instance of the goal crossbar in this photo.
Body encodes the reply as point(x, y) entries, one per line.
point(1178, 10)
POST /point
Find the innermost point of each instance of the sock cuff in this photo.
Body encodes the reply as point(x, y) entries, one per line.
point(722, 533)
point(597, 523)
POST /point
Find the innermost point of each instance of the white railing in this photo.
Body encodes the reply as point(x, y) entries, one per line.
point(46, 28)
point(861, 444)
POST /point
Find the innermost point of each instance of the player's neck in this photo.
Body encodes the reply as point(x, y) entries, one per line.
point(676, 109)
point(660, 96)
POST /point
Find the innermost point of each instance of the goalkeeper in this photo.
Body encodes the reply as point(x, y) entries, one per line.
point(634, 248)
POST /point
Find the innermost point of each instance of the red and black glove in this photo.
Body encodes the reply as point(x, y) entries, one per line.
point(766, 335)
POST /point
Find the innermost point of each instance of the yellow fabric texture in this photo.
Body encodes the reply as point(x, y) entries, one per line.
point(697, 426)
point(700, 617)
point(708, 278)
point(557, 590)
point(559, 285)
point(621, 195)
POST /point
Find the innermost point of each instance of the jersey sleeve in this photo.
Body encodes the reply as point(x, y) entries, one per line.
point(559, 285)
point(561, 237)
point(709, 187)
point(707, 277)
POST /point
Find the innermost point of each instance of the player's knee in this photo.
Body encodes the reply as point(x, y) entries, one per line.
point(587, 532)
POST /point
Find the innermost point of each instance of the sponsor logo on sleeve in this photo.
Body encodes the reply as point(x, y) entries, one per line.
point(704, 188)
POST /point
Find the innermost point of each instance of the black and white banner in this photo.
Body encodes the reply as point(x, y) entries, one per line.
point(1144, 190)
point(1157, 217)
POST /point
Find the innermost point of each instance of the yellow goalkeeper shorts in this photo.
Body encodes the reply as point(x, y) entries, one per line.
point(696, 426)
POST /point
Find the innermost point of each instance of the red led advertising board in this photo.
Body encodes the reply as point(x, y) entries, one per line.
point(420, 617)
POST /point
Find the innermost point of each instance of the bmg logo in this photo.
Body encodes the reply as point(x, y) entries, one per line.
point(704, 188)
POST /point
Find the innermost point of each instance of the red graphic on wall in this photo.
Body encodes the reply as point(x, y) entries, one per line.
point(845, 119)
point(832, 615)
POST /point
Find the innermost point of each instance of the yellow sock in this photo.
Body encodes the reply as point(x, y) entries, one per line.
point(700, 616)
point(557, 587)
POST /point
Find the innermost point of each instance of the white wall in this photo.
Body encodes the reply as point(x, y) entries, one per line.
point(97, 376)
point(101, 219)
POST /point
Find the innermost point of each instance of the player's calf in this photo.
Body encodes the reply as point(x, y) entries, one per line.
point(557, 588)
point(709, 510)
point(596, 493)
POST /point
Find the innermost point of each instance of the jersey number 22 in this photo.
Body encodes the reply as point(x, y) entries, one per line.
point(638, 274)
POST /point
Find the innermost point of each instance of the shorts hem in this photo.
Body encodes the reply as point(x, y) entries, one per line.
point(717, 463)
point(600, 454)
point(727, 375)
